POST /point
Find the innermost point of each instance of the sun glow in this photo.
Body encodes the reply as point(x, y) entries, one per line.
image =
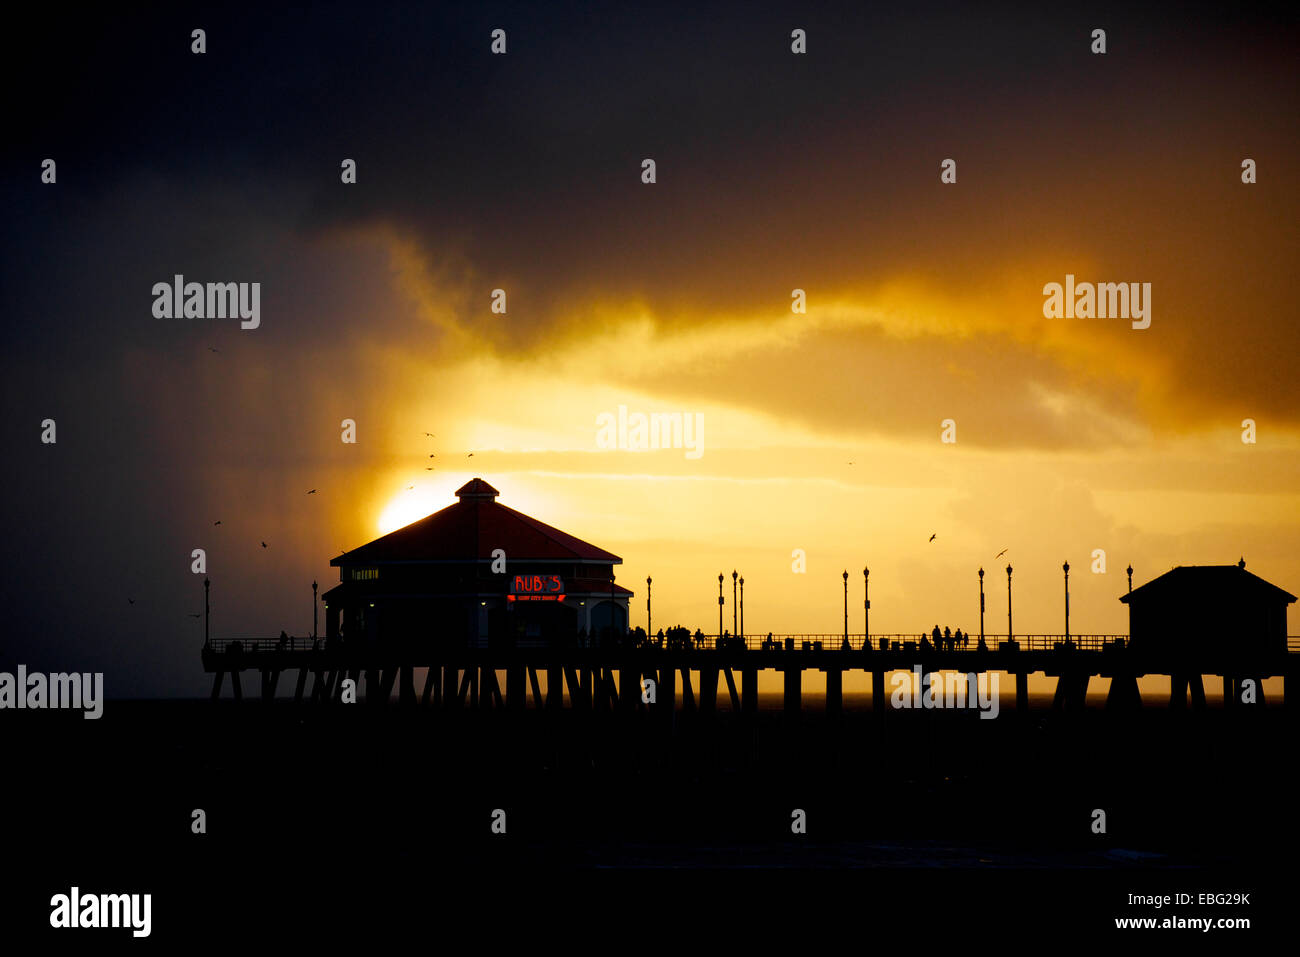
point(407, 506)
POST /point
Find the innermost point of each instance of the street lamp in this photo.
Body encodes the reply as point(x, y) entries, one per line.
point(720, 605)
point(740, 635)
point(734, 627)
point(648, 629)
point(1130, 577)
point(206, 586)
point(1009, 632)
point(1066, 568)
point(846, 607)
point(313, 610)
point(866, 609)
point(981, 605)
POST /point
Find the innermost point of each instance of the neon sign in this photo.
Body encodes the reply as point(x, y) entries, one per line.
point(536, 588)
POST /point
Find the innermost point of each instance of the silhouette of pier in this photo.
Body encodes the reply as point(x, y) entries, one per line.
point(611, 676)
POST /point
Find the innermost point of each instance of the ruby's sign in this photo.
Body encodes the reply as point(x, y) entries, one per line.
point(536, 588)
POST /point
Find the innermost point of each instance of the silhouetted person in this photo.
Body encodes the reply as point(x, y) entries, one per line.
point(981, 646)
point(935, 636)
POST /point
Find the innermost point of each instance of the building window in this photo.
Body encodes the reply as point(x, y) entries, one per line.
point(363, 574)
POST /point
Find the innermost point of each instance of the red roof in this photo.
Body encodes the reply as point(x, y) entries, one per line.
point(471, 529)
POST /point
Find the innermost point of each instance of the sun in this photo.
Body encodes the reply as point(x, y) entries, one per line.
point(407, 506)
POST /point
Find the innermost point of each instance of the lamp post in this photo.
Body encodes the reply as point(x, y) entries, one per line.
point(719, 605)
point(866, 609)
point(734, 627)
point(1130, 577)
point(206, 586)
point(981, 605)
point(612, 606)
point(846, 606)
point(1066, 568)
point(1009, 632)
point(740, 635)
point(649, 631)
point(313, 611)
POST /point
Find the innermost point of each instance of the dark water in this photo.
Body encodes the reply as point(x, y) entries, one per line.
point(357, 807)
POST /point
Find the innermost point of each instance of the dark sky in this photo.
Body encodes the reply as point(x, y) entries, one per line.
point(521, 171)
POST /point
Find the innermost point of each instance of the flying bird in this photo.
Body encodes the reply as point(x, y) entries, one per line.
point(312, 492)
point(130, 601)
point(932, 536)
point(217, 522)
point(1000, 554)
point(430, 435)
point(264, 544)
point(409, 487)
point(428, 468)
point(210, 349)
point(470, 456)
point(432, 456)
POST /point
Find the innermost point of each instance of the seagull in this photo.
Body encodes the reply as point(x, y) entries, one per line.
point(409, 487)
point(428, 468)
point(430, 435)
point(1000, 554)
point(432, 456)
point(130, 601)
point(932, 536)
point(312, 492)
point(217, 522)
point(470, 456)
point(210, 349)
point(264, 544)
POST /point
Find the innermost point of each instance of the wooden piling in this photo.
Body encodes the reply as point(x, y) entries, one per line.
point(834, 692)
point(793, 688)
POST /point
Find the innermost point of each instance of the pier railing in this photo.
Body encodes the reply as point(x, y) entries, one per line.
point(765, 642)
point(770, 642)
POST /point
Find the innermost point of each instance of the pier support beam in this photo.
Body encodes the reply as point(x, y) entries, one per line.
point(749, 690)
point(516, 688)
point(629, 687)
point(793, 689)
point(1123, 694)
point(432, 688)
point(834, 692)
point(1022, 692)
point(450, 676)
point(878, 691)
point(554, 687)
point(708, 687)
point(731, 689)
point(666, 695)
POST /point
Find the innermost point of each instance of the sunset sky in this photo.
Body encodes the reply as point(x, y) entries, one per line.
point(775, 171)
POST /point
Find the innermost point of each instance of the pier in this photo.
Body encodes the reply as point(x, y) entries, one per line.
point(610, 676)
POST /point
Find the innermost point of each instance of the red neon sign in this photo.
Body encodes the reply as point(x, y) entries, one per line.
point(536, 588)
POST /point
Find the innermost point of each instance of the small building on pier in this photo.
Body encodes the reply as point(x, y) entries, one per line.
point(477, 574)
point(1208, 614)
